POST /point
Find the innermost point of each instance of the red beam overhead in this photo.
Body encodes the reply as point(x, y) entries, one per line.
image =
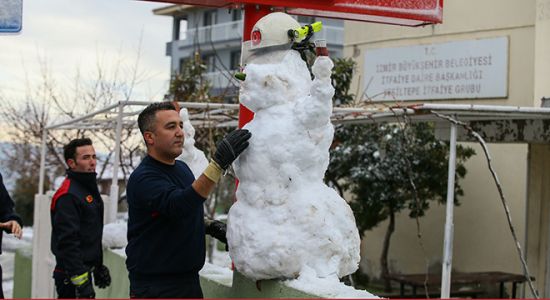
point(399, 12)
point(210, 3)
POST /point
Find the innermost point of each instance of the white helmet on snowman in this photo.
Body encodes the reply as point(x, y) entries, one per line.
point(274, 32)
point(269, 34)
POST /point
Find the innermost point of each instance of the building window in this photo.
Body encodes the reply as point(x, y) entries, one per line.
point(180, 29)
point(210, 18)
point(235, 60)
point(210, 61)
point(236, 15)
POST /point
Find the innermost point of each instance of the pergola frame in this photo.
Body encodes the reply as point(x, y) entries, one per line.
point(124, 115)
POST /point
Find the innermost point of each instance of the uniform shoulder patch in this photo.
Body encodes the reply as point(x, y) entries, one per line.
point(63, 189)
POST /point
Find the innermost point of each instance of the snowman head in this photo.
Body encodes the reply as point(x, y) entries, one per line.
point(272, 82)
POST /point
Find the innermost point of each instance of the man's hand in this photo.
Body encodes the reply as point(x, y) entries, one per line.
point(83, 285)
point(102, 278)
point(13, 227)
point(217, 230)
point(229, 148)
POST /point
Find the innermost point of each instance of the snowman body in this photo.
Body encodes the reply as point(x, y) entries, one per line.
point(286, 220)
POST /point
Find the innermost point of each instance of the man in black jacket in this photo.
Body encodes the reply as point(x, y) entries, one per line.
point(166, 243)
point(10, 222)
point(77, 225)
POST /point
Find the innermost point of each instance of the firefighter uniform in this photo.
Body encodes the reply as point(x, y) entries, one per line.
point(77, 229)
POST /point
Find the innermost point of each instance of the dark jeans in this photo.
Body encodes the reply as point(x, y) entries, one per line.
point(167, 290)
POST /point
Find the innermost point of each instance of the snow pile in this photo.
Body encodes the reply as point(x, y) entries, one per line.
point(193, 157)
point(114, 235)
point(217, 273)
point(221, 258)
point(10, 243)
point(286, 220)
point(329, 287)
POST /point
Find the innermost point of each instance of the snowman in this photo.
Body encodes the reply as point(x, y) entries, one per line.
point(286, 221)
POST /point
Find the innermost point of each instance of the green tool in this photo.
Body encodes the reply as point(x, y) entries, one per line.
point(240, 76)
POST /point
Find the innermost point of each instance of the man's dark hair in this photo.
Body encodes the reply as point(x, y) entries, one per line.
point(146, 118)
point(69, 150)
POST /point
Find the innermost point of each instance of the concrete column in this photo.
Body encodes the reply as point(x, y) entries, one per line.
point(542, 89)
point(542, 51)
point(43, 262)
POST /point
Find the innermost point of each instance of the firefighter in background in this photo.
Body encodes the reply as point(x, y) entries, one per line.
point(77, 225)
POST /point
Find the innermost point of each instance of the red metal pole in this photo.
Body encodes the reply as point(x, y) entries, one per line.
point(252, 13)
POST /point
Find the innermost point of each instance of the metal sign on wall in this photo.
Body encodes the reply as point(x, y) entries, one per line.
point(455, 70)
point(10, 16)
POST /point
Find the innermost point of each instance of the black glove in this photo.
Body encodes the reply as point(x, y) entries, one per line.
point(230, 147)
point(83, 286)
point(217, 230)
point(102, 278)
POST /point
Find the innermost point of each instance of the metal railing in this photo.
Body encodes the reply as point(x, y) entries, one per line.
point(233, 30)
point(214, 33)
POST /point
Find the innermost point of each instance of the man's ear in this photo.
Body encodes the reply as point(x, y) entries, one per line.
point(71, 163)
point(148, 137)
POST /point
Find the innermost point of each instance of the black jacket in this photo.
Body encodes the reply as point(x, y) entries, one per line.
point(6, 209)
point(77, 224)
point(165, 224)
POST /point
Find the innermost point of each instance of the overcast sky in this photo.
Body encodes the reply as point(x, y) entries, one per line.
point(67, 34)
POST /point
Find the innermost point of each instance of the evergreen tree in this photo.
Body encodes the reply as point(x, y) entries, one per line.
point(189, 85)
point(389, 168)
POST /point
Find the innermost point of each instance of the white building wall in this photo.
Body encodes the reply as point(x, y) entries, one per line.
point(482, 240)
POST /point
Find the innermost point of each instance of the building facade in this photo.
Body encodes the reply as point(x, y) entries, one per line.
point(216, 33)
point(492, 52)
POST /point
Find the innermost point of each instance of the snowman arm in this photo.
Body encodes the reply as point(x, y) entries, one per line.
point(321, 87)
point(315, 110)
